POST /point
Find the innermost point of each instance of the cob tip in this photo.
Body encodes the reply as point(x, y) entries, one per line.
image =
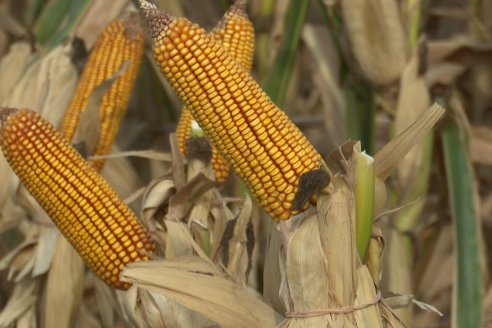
point(239, 7)
point(131, 21)
point(157, 20)
point(5, 113)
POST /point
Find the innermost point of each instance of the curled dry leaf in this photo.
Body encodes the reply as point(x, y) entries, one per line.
point(67, 266)
point(481, 145)
point(390, 155)
point(198, 285)
point(414, 99)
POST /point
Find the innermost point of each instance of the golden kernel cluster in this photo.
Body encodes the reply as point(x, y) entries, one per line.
point(235, 33)
point(103, 230)
point(255, 137)
point(122, 41)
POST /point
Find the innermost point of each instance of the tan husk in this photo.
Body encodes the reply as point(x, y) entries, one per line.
point(321, 269)
point(377, 37)
point(391, 154)
point(198, 285)
point(64, 286)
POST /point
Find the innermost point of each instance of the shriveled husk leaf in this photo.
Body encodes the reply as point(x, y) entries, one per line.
point(114, 169)
point(273, 269)
point(375, 254)
point(12, 66)
point(21, 305)
point(199, 285)
point(325, 70)
point(377, 37)
point(412, 176)
point(481, 145)
point(397, 269)
point(49, 81)
point(391, 154)
point(99, 14)
point(320, 266)
point(414, 99)
point(236, 247)
point(64, 286)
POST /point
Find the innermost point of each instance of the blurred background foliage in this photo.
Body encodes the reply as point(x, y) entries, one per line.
point(359, 69)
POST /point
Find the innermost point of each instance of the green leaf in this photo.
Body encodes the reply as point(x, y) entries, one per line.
point(364, 202)
point(58, 19)
point(468, 284)
point(50, 19)
point(74, 14)
point(278, 80)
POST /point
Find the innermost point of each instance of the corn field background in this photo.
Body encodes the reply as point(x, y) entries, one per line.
point(349, 69)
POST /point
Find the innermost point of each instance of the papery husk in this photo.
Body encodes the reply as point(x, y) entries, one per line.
point(378, 40)
point(237, 247)
point(411, 178)
point(325, 70)
point(481, 145)
point(64, 287)
point(413, 100)
point(49, 82)
point(273, 268)
point(12, 66)
point(20, 310)
point(391, 154)
point(199, 285)
point(321, 269)
point(99, 14)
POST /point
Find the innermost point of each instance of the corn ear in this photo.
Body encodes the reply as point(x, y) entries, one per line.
point(120, 42)
point(102, 228)
point(235, 33)
point(254, 136)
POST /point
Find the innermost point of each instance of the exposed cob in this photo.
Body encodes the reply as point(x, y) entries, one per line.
point(259, 141)
point(235, 33)
point(102, 229)
point(121, 41)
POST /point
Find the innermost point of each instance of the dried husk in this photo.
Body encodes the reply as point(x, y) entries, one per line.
point(97, 16)
point(321, 269)
point(414, 99)
point(481, 145)
point(391, 154)
point(325, 70)
point(67, 267)
point(12, 66)
point(199, 285)
point(376, 34)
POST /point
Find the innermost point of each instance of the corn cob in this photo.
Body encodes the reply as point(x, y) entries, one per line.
point(255, 137)
point(121, 41)
point(235, 33)
point(102, 229)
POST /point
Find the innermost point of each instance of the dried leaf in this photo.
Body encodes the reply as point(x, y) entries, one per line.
point(481, 145)
point(67, 266)
point(377, 37)
point(388, 156)
point(12, 67)
point(197, 287)
point(96, 18)
point(23, 297)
